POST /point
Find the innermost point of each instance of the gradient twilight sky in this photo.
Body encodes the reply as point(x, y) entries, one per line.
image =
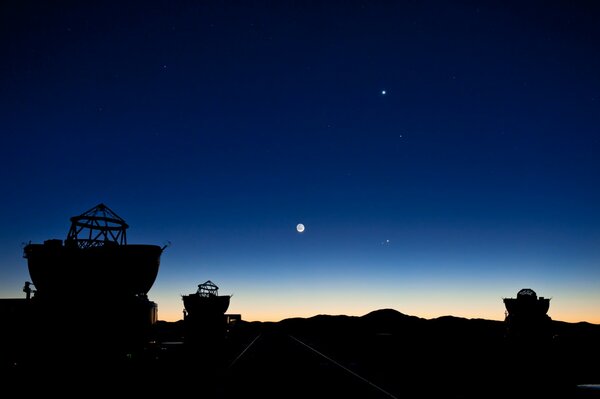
point(218, 126)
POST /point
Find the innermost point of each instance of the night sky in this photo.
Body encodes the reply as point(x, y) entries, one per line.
point(441, 155)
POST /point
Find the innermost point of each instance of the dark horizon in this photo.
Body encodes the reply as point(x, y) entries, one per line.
point(384, 354)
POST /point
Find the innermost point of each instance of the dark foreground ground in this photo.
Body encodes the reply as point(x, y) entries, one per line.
point(381, 355)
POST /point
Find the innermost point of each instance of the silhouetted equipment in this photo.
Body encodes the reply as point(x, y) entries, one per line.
point(205, 323)
point(101, 224)
point(95, 257)
point(206, 301)
point(27, 290)
point(93, 287)
point(526, 317)
point(527, 304)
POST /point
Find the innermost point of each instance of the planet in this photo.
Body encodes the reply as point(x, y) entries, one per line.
point(300, 227)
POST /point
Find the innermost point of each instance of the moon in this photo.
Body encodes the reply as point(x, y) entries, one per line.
point(300, 227)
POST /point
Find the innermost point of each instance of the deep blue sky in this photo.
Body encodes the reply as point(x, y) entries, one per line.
point(218, 126)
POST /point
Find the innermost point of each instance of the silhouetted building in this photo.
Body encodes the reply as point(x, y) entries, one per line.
point(526, 319)
point(205, 321)
point(91, 289)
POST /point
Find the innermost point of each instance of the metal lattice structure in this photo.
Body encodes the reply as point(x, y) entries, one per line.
point(208, 289)
point(97, 227)
point(527, 293)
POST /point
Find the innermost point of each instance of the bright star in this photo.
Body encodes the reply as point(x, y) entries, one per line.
point(383, 92)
